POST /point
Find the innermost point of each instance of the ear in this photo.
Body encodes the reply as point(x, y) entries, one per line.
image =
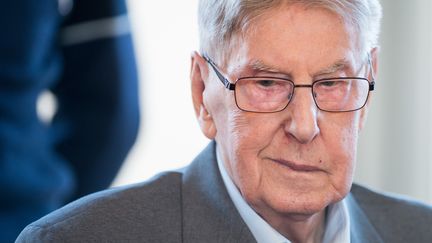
point(371, 75)
point(374, 60)
point(199, 77)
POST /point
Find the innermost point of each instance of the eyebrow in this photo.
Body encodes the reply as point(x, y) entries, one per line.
point(339, 65)
point(259, 66)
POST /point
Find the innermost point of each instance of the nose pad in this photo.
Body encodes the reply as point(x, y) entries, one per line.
point(290, 96)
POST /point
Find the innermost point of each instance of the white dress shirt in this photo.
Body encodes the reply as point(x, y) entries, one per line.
point(337, 220)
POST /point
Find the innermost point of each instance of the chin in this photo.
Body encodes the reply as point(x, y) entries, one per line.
point(300, 208)
point(303, 204)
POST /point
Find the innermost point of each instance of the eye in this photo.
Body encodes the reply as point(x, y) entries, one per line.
point(266, 82)
point(329, 83)
point(332, 84)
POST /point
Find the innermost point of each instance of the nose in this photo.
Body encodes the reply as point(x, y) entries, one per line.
point(302, 121)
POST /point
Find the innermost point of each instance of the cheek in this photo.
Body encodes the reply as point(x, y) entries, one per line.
point(245, 136)
point(239, 142)
point(246, 132)
point(343, 135)
point(349, 136)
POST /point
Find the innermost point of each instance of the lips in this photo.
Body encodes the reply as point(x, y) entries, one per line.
point(297, 167)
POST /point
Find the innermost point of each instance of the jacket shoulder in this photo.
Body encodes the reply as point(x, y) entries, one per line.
point(148, 211)
point(395, 217)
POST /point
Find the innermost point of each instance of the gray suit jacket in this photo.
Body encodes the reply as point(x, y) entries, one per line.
point(192, 205)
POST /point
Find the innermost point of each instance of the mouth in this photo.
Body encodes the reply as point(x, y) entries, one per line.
point(297, 167)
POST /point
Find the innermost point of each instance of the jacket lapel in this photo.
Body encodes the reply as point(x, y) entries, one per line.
point(361, 228)
point(209, 215)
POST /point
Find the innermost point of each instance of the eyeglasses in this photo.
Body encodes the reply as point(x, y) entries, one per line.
point(272, 94)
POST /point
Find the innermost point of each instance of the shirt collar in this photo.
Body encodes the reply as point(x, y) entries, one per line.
point(337, 221)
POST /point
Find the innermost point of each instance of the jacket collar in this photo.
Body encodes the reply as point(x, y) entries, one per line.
point(209, 215)
point(361, 228)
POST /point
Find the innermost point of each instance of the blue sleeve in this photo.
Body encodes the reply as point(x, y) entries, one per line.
point(97, 94)
point(43, 166)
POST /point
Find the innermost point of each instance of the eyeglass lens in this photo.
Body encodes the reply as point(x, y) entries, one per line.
point(272, 95)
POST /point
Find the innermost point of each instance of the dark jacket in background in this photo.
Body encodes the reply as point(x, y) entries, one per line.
point(82, 52)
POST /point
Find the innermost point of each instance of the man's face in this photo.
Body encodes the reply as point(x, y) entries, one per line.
point(299, 160)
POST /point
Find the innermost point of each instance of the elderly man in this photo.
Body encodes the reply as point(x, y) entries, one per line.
point(282, 88)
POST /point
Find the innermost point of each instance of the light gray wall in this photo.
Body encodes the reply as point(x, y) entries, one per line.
point(395, 151)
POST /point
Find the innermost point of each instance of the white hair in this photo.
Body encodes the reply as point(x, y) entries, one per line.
point(221, 21)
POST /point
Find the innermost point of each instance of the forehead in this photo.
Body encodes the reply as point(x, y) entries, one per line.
point(289, 36)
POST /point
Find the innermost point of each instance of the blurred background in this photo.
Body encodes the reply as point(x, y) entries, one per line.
point(395, 151)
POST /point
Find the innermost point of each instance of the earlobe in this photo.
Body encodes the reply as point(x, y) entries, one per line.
point(198, 76)
point(363, 115)
point(206, 123)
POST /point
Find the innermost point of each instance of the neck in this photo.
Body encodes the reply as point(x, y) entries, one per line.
point(300, 228)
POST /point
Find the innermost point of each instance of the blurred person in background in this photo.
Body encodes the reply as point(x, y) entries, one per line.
point(81, 51)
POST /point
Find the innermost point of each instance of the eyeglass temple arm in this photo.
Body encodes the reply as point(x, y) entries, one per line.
point(224, 81)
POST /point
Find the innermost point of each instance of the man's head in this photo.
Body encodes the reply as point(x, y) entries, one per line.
point(298, 159)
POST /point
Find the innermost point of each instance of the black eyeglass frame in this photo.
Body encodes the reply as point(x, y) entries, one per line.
point(231, 86)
